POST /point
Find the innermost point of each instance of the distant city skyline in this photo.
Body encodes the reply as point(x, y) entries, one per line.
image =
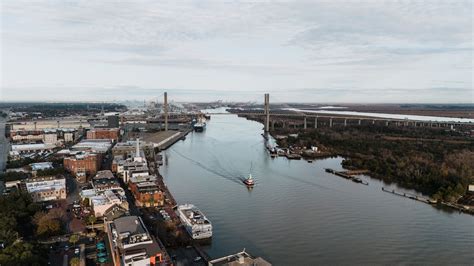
point(337, 51)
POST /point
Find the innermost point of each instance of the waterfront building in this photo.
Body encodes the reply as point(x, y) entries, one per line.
point(124, 149)
point(46, 188)
point(132, 244)
point(147, 194)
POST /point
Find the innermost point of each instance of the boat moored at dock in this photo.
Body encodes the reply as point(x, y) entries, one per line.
point(195, 222)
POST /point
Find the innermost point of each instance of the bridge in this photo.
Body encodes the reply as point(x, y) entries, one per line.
point(281, 118)
point(305, 120)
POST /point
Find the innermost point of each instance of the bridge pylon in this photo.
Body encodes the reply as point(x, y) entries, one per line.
point(267, 112)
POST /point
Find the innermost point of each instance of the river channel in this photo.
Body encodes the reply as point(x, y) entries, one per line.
point(298, 214)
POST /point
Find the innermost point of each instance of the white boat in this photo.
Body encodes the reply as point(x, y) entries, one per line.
point(197, 225)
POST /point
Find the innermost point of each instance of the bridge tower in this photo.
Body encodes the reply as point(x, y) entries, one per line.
point(165, 109)
point(267, 111)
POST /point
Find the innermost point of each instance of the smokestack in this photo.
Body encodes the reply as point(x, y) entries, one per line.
point(138, 148)
point(166, 110)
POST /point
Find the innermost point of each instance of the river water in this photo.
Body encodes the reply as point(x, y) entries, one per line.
point(298, 214)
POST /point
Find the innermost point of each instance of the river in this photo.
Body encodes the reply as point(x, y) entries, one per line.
point(298, 214)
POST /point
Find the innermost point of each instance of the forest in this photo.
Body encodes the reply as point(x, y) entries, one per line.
point(437, 162)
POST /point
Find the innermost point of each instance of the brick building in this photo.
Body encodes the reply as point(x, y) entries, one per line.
point(147, 194)
point(83, 162)
point(103, 133)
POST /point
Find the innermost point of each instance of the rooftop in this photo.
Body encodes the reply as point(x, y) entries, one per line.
point(104, 174)
point(41, 166)
point(26, 147)
point(240, 259)
point(97, 145)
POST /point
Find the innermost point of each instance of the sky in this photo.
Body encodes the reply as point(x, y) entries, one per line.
point(300, 51)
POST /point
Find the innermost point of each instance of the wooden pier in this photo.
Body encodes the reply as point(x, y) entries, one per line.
point(410, 196)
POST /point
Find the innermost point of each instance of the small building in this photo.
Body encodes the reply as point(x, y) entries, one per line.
point(132, 244)
point(46, 188)
point(470, 189)
point(105, 180)
point(41, 166)
point(105, 201)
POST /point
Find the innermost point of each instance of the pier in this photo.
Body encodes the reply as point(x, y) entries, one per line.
point(455, 206)
point(349, 175)
point(410, 196)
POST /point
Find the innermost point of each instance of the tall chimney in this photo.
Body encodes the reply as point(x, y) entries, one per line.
point(138, 148)
point(165, 103)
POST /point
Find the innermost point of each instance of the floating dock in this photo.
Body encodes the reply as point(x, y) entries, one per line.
point(348, 175)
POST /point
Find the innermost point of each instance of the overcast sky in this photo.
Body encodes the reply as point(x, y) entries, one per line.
point(328, 51)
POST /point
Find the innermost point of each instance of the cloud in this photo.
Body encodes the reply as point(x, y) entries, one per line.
point(360, 49)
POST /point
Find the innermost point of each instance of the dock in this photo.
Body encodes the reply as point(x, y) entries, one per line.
point(409, 195)
point(349, 175)
point(455, 206)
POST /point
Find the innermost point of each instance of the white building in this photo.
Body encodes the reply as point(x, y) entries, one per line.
point(51, 138)
point(41, 166)
point(46, 188)
point(106, 200)
point(28, 148)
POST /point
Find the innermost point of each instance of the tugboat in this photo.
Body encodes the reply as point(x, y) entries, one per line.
point(249, 181)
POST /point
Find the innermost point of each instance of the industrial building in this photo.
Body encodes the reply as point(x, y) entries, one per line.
point(103, 133)
point(93, 145)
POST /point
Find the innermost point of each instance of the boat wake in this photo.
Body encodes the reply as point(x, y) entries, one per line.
point(231, 178)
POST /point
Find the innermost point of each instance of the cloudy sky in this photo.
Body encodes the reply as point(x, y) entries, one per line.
point(327, 51)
